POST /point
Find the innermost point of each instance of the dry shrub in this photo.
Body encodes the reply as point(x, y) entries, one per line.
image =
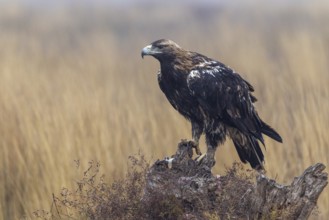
point(237, 183)
point(95, 199)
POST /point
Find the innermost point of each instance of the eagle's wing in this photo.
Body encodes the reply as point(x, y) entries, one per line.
point(223, 94)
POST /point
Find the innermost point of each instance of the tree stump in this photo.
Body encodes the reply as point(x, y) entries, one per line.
point(190, 189)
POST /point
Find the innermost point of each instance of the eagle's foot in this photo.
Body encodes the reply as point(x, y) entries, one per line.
point(199, 158)
point(194, 144)
point(207, 159)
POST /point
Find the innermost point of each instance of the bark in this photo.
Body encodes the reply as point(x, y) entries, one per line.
point(203, 195)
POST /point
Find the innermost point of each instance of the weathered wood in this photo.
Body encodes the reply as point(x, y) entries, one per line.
point(297, 199)
point(199, 191)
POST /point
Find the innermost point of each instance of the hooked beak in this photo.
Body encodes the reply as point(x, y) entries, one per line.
point(147, 50)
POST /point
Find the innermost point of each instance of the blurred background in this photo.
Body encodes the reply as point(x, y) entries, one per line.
point(73, 87)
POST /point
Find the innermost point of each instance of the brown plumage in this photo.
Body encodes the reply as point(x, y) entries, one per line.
point(217, 101)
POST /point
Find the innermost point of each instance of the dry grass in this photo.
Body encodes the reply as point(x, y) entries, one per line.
point(73, 87)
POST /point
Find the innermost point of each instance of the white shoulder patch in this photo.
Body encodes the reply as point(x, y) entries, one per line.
point(195, 74)
point(210, 72)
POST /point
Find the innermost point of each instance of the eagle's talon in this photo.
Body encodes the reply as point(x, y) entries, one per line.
point(195, 145)
point(200, 158)
point(206, 159)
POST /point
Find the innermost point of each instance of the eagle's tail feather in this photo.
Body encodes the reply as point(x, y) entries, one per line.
point(267, 130)
point(250, 151)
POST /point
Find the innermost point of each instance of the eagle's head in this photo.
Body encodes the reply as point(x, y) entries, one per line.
point(162, 50)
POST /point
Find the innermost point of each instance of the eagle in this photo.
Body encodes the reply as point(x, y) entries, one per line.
point(214, 98)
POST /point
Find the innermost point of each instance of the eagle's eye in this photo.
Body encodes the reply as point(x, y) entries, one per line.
point(161, 46)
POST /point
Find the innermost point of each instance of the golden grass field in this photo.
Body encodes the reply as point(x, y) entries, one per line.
point(73, 87)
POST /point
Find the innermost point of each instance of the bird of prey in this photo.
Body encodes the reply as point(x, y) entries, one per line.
point(216, 100)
